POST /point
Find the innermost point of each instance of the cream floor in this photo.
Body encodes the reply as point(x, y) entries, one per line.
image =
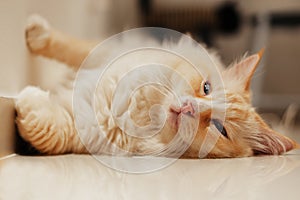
point(83, 177)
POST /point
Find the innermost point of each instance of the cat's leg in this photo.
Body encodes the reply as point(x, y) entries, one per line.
point(45, 123)
point(43, 40)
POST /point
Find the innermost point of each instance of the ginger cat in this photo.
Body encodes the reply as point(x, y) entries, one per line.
point(47, 122)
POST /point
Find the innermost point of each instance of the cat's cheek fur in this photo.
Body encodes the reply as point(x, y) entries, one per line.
point(226, 148)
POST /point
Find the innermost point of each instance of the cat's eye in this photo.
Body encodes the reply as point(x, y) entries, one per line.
point(220, 127)
point(206, 87)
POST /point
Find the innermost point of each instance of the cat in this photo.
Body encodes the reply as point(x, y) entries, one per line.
point(46, 120)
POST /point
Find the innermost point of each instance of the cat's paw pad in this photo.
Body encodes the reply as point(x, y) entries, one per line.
point(37, 33)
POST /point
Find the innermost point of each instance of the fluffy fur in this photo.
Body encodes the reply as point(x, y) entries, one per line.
point(47, 122)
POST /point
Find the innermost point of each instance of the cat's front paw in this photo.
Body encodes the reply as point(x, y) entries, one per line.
point(37, 33)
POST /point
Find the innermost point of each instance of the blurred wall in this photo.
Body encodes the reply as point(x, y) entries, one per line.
point(82, 18)
point(12, 48)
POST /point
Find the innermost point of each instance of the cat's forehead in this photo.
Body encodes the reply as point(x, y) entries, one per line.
point(238, 105)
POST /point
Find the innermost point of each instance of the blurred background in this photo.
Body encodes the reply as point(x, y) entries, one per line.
point(231, 27)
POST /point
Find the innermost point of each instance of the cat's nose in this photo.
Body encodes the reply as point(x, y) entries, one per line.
point(188, 109)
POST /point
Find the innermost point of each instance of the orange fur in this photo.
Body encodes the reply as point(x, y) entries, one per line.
point(247, 133)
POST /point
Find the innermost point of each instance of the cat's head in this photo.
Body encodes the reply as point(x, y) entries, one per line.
point(238, 131)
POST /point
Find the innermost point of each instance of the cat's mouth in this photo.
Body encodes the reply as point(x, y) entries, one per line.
point(176, 111)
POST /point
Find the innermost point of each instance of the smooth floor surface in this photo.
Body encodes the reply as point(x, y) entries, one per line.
point(84, 177)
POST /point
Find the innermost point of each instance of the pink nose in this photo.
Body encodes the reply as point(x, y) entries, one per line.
point(188, 108)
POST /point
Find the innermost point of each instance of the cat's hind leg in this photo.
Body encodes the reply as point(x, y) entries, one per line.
point(46, 124)
point(44, 40)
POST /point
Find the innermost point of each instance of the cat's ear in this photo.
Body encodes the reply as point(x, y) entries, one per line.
point(244, 70)
point(268, 141)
